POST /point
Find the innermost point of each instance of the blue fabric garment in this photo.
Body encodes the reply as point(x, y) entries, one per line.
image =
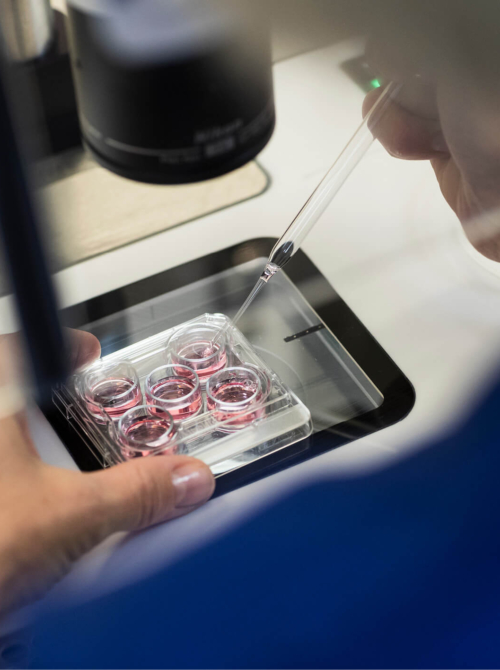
point(399, 569)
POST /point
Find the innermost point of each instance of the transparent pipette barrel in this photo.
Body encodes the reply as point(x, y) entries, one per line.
point(291, 241)
point(223, 331)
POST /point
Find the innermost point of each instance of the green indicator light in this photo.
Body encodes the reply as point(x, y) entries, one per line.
point(375, 83)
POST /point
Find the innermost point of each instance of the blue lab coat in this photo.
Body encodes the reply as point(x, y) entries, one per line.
point(398, 569)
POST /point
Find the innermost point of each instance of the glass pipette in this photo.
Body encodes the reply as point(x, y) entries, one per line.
point(291, 240)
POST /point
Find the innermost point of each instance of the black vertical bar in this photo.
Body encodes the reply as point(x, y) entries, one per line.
point(31, 281)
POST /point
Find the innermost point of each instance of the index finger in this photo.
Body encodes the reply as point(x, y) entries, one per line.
point(404, 134)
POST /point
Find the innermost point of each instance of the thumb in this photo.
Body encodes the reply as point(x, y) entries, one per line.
point(146, 491)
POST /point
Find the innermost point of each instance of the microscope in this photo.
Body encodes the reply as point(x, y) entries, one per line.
point(171, 92)
point(167, 92)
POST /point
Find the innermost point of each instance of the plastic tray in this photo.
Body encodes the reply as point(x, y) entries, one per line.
point(284, 421)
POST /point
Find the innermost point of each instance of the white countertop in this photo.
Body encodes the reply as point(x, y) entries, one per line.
point(388, 244)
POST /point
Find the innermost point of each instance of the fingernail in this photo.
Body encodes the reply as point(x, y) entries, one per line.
point(193, 485)
point(438, 143)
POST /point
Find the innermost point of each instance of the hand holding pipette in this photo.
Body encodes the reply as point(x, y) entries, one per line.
point(291, 240)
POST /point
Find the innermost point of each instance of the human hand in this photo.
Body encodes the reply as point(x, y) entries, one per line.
point(449, 116)
point(50, 517)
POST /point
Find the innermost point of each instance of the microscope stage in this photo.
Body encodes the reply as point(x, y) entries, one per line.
point(299, 327)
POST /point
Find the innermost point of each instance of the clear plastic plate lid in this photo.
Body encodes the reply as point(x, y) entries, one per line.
point(227, 431)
